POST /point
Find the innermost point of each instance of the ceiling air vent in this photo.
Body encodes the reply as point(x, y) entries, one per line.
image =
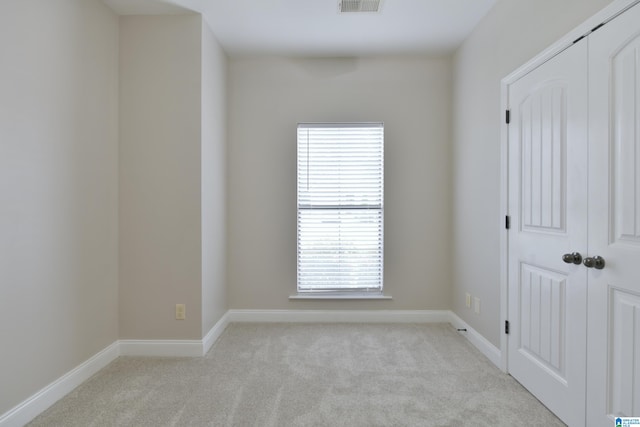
point(359, 6)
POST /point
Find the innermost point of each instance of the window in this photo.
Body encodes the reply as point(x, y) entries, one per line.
point(340, 207)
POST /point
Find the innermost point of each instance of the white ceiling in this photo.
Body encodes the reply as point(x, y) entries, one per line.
point(315, 28)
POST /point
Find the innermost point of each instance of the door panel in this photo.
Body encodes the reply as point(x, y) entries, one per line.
point(542, 299)
point(625, 353)
point(625, 144)
point(614, 225)
point(543, 125)
point(548, 206)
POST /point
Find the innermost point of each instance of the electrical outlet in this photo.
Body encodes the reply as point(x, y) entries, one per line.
point(476, 305)
point(181, 312)
point(468, 300)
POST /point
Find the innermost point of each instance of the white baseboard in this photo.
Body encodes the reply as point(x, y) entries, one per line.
point(346, 316)
point(481, 343)
point(175, 348)
point(215, 332)
point(36, 404)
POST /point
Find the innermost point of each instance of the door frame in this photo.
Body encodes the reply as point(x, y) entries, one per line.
point(612, 10)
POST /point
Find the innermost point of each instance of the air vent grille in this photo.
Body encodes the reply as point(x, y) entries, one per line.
point(359, 6)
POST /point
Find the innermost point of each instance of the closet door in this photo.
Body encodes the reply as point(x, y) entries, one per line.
point(614, 220)
point(548, 209)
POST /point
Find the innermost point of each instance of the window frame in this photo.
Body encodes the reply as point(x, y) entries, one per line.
point(341, 290)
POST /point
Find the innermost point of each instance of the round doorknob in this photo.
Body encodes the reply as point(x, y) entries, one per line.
point(596, 262)
point(574, 258)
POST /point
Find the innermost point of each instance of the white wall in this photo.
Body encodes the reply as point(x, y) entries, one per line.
point(58, 190)
point(513, 32)
point(268, 97)
point(214, 180)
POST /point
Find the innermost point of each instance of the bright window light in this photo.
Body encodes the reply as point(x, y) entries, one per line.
point(340, 207)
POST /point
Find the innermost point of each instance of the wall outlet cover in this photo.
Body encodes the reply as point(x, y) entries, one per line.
point(181, 312)
point(476, 305)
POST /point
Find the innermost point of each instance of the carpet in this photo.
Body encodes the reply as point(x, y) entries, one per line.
point(308, 375)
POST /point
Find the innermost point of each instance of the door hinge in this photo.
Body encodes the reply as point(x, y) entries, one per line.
point(597, 27)
point(579, 38)
point(506, 327)
point(507, 222)
point(507, 116)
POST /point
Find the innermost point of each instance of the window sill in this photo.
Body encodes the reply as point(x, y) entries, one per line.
point(338, 296)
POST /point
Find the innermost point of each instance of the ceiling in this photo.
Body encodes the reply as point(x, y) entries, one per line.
point(315, 28)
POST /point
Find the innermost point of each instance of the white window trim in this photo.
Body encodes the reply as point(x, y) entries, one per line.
point(337, 293)
point(351, 295)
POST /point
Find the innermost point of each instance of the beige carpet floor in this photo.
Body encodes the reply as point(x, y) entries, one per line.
point(308, 375)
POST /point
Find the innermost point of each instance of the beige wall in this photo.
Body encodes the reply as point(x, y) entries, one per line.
point(513, 32)
point(172, 177)
point(160, 217)
point(214, 180)
point(58, 190)
point(268, 97)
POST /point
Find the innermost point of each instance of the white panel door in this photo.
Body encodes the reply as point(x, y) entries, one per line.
point(548, 209)
point(614, 220)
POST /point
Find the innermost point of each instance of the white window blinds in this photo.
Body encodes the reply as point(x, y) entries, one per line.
point(340, 207)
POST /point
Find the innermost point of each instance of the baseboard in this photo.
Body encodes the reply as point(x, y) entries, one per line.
point(481, 343)
point(36, 404)
point(215, 332)
point(175, 348)
point(346, 316)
